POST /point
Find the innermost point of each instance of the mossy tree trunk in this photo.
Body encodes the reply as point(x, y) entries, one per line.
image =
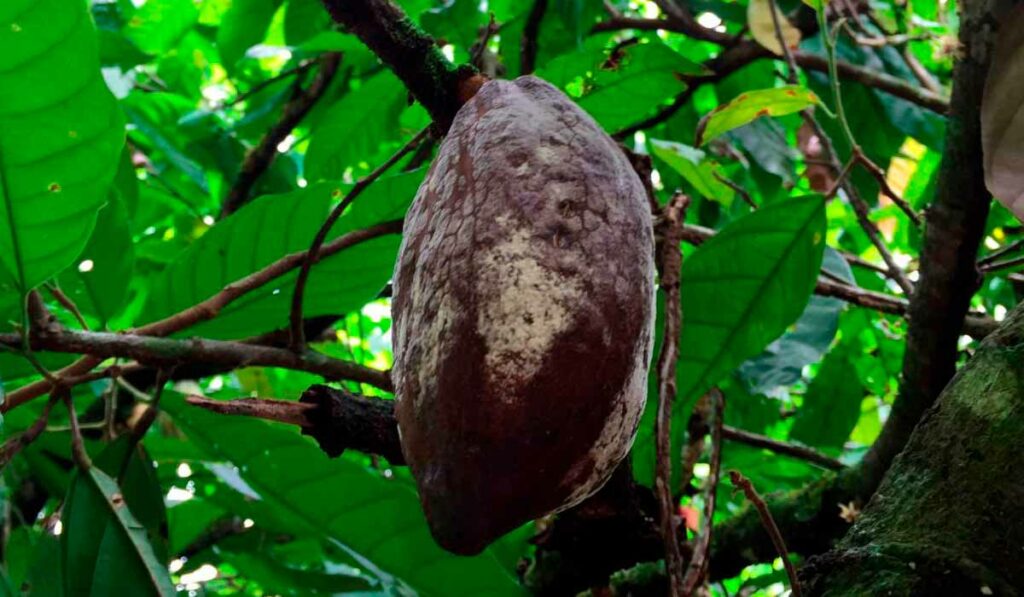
point(947, 518)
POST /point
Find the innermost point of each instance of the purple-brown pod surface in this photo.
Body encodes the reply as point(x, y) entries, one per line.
point(523, 303)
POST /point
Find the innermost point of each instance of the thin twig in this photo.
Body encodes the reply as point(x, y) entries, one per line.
point(1000, 265)
point(671, 263)
point(799, 452)
point(792, 77)
point(697, 568)
point(145, 421)
point(768, 522)
point(207, 309)
point(298, 70)
point(739, 190)
point(840, 180)
point(289, 412)
point(260, 157)
point(696, 429)
point(172, 351)
point(77, 444)
point(19, 442)
point(1003, 250)
point(876, 171)
point(860, 209)
point(67, 303)
point(480, 47)
point(298, 340)
point(528, 47)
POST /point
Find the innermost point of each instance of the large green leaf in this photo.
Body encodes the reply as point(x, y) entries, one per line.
point(99, 283)
point(635, 81)
point(831, 405)
point(745, 286)
point(156, 26)
point(751, 105)
point(782, 363)
point(341, 500)
point(740, 290)
point(244, 25)
point(355, 126)
point(266, 230)
point(61, 134)
point(104, 549)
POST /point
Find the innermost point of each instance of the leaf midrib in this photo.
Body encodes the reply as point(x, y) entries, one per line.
point(772, 273)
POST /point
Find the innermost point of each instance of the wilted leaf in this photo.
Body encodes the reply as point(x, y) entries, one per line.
point(1002, 116)
point(751, 105)
point(762, 26)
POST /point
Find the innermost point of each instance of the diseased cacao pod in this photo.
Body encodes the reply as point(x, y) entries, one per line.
point(523, 303)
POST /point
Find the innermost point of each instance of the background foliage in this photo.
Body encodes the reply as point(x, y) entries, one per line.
point(125, 123)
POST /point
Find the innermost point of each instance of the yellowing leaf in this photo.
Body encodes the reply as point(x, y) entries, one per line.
point(762, 27)
point(1002, 116)
point(751, 105)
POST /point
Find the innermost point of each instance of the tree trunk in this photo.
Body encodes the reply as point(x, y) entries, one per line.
point(946, 519)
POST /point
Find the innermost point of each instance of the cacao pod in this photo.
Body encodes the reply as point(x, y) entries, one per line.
point(523, 303)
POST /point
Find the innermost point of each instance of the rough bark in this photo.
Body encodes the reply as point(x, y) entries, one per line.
point(412, 54)
point(945, 520)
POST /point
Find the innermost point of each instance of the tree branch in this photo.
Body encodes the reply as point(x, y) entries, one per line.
point(259, 158)
point(949, 274)
point(670, 263)
point(412, 54)
point(209, 308)
point(531, 31)
point(169, 351)
point(336, 419)
point(800, 452)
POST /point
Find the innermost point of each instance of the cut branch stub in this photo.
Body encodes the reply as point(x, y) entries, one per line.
point(522, 314)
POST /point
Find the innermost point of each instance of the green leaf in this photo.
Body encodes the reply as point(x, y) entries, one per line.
point(156, 26)
point(782, 363)
point(635, 82)
point(696, 168)
point(279, 577)
point(354, 127)
point(831, 405)
point(304, 20)
point(269, 228)
point(342, 501)
point(135, 472)
point(45, 574)
point(243, 26)
point(98, 283)
point(61, 134)
point(455, 21)
point(740, 290)
point(104, 549)
point(751, 105)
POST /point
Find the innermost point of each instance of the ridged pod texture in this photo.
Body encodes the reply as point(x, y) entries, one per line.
point(523, 305)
